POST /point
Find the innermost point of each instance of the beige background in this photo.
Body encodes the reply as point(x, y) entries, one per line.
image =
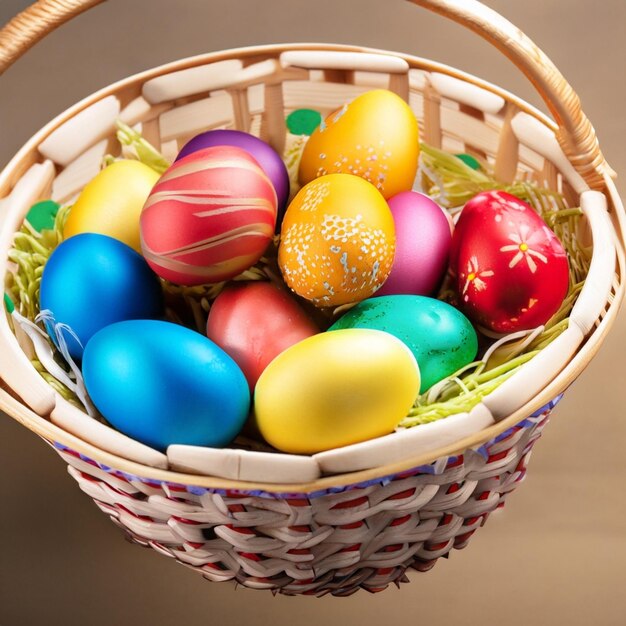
point(555, 554)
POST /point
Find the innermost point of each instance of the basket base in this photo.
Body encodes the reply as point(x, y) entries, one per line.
point(359, 537)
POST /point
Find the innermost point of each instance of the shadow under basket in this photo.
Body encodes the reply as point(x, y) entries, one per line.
point(361, 516)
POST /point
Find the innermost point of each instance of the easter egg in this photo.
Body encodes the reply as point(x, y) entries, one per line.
point(440, 337)
point(511, 270)
point(263, 153)
point(111, 203)
point(91, 281)
point(422, 245)
point(335, 389)
point(375, 137)
point(254, 322)
point(209, 217)
point(337, 241)
point(164, 384)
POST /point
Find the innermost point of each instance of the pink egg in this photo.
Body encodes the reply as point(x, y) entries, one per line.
point(422, 245)
point(209, 217)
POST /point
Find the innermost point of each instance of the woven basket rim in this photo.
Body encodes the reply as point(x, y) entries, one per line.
point(247, 52)
point(26, 156)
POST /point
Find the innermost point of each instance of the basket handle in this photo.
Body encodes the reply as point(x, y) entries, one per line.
point(575, 133)
point(34, 23)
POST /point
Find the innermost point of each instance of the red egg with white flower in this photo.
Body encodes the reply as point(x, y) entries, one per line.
point(511, 270)
point(209, 217)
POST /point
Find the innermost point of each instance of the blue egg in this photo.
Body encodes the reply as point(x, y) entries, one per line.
point(164, 384)
point(91, 281)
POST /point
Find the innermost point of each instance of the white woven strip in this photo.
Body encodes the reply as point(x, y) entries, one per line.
point(78, 173)
point(81, 132)
point(466, 93)
point(404, 444)
point(74, 421)
point(599, 282)
point(200, 79)
point(359, 61)
point(190, 119)
point(531, 132)
point(15, 368)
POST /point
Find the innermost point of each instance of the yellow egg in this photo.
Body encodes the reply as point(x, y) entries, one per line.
point(374, 137)
point(111, 203)
point(337, 241)
point(335, 389)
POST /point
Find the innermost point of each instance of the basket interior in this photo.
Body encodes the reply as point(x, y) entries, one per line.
point(253, 90)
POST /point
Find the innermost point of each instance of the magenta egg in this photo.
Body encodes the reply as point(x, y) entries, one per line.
point(422, 245)
point(263, 153)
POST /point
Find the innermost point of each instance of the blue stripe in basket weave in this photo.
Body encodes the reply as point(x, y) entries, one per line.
point(436, 467)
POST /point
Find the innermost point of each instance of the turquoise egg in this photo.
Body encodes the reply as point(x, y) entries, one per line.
point(441, 338)
point(164, 384)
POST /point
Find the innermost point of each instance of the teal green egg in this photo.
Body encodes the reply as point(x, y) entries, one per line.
point(441, 338)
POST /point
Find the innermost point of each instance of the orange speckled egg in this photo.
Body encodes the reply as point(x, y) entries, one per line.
point(375, 137)
point(337, 241)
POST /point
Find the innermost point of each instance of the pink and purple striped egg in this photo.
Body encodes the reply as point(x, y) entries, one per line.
point(209, 217)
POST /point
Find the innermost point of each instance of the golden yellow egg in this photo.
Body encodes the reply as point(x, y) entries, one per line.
point(374, 137)
point(335, 389)
point(111, 203)
point(337, 241)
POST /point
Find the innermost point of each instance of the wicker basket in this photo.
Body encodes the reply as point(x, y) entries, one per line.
point(360, 516)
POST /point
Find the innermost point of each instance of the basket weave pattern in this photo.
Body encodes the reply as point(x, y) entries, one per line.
point(364, 536)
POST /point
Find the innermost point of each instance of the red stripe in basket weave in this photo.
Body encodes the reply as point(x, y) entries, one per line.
point(402, 494)
point(354, 548)
point(135, 515)
point(240, 530)
point(459, 539)
point(498, 456)
point(349, 503)
point(393, 548)
point(455, 462)
point(183, 520)
point(297, 502)
point(236, 508)
point(351, 526)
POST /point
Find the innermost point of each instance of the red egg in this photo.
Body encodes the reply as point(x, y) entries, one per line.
point(511, 270)
point(254, 322)
point(209, 217)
